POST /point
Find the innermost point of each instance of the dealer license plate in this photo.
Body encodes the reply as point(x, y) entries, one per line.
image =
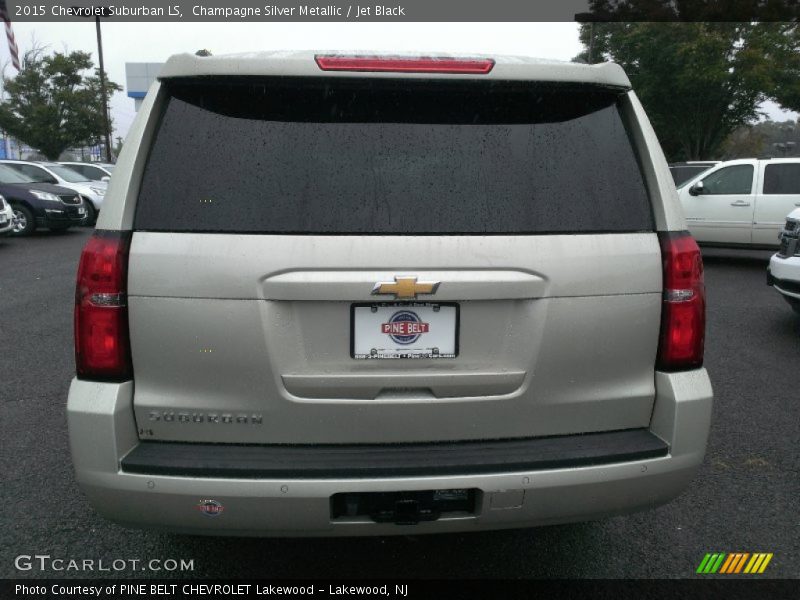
point(404, 330)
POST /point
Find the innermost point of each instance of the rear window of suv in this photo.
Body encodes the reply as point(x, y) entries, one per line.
point(384, 156)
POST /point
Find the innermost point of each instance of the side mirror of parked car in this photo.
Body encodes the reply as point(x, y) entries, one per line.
point(105, 178)
point(697, 189)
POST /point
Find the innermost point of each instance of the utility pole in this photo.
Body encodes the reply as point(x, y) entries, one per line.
point(106, 122)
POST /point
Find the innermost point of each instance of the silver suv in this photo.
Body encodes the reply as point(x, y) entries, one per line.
point(346, 295)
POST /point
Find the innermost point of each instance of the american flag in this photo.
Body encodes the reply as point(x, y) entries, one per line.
point(12, 42)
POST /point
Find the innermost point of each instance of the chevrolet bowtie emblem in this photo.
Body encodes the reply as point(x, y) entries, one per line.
point(405, 287)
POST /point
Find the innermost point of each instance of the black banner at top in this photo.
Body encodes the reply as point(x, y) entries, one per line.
point(405, 10)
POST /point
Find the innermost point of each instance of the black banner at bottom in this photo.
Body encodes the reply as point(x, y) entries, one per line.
point(671, 589)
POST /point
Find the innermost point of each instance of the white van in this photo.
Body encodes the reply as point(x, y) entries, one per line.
point(742, 202)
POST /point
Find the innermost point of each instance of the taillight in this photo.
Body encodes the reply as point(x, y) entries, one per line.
point(683, 317)
point(102, 346)
point(405, 64)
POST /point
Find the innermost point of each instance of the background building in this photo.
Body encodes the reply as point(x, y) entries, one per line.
point(138, 77)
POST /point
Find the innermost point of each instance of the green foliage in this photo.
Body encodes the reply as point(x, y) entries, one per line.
point(52, 104)
point(763, 139)
point(699, 82)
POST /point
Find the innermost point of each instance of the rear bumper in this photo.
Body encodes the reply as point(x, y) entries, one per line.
point(364, 461)
point(281, 503)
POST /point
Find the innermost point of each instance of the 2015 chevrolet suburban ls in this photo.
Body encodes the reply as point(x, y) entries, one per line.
point(345, 295)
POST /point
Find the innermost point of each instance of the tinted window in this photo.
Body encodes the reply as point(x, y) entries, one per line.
point(9, 175)
point(79, 169)
point(68, 174)
point(683, 174)
point(34, 174)
point(390, 157)
point(94, 173)
point(89, 172)
point(736, 179)
point(782, 178)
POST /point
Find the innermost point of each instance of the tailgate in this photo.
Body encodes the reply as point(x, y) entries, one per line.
point(248, 338)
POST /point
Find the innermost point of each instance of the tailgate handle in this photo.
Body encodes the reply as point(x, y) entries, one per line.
point(404, 387)
point(358, 285)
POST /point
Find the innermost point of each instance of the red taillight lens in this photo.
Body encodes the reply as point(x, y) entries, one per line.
point(102, 346)
point(405, 64)
point(683, 317)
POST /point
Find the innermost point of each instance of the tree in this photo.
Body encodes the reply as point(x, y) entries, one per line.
point(53, 104)
point(699, 82)
point(748, 141)
point(767, 138)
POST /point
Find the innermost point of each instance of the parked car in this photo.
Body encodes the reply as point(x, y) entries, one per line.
point(433, 318)
point(40, 204)
point(6, 217)
point(92, 192)
point(784, 267)
point(686, 171)
point(92, 171)
point(742, 202)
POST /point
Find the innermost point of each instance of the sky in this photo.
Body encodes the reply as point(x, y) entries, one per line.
point(155, 42)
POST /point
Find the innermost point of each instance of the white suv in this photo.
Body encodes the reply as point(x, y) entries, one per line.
point(6, 217)
point(742, 202)
point(784, 267)
point(352, 295)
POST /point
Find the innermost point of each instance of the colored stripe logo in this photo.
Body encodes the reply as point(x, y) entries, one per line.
point(734, 563)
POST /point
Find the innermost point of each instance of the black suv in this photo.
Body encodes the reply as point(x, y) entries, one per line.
point(40, 204)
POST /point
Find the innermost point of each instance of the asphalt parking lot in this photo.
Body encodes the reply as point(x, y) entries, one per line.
point(745, 498)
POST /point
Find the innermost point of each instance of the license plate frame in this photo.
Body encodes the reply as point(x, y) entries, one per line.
point(410, 306)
